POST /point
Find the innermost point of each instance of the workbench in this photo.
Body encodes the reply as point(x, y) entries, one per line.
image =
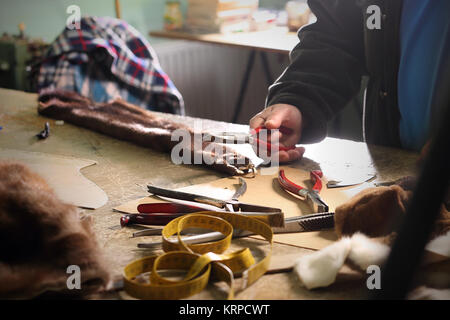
point(124, 169)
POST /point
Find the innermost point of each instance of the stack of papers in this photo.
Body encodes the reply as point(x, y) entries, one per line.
point(221, 16)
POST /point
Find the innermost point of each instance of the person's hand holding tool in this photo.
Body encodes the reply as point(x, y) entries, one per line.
point(282, 116)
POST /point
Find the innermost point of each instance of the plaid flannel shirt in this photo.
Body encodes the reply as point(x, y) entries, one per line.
point(106, 58)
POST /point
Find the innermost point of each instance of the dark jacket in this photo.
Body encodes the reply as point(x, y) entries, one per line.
point(327, 65)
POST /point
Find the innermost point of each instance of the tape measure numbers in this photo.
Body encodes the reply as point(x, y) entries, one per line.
point(200, 261)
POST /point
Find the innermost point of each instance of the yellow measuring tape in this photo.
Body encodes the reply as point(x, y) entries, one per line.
point(201, 261)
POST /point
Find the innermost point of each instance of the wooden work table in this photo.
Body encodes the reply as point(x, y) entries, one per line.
point(277, 39)
point(124, 169)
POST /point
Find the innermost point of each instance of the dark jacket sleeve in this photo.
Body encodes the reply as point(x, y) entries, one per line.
point(325, 67)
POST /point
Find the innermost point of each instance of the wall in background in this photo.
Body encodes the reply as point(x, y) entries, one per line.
point(46, 18)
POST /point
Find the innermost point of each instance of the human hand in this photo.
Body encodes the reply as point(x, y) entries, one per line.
point(285, 115)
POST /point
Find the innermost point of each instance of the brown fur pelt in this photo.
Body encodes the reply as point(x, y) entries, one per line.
point(373, 211)
point(40, 237)
point(376, 212)
point(125, 121)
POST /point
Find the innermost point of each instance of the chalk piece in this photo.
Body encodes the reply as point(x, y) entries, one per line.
point(59, 122)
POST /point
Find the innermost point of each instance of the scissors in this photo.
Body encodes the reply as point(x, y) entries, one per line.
point(311, 222)
point(162, 213)
point(252, 138)
point(310, 195)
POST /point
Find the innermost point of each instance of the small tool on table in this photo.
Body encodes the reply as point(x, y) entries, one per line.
point(311, 222)
point(44, 133)
point(310, 195)
point(162, 213)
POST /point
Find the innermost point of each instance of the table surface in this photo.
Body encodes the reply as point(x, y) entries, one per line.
point(276, 39)
point(124, 169)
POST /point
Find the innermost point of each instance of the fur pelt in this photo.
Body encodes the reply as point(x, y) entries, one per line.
point(122, 120)
point(372, 211)
point(365, 225)
point(320, 268)
point(40, 237)
point(377, 211)
point(425, 293)
point(359, 252)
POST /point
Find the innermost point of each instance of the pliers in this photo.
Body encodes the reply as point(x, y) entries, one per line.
point(310, 195)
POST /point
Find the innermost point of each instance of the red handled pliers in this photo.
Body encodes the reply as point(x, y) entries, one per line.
point(310, 195)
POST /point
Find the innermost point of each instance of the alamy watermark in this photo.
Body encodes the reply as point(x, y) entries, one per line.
point(74, 18)
point(74, 280)
point(374, 17)
point(374, 280)
point(210, 149)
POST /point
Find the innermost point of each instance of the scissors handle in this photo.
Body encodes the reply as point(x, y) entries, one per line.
point(157, 213)
point(156, 219)
point(162, 207)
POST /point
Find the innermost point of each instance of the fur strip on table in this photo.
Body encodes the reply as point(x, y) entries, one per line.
point(40, 237)
point(125, 121)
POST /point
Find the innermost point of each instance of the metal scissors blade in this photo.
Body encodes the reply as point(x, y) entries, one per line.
point(221, 204)
point(241, 190)
point(272, 216)
point(168, 193)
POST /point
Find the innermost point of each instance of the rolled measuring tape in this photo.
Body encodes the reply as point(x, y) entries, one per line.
point(201, 262)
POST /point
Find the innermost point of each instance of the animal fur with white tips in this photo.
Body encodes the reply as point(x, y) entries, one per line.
point(365, 224)
point(320, 268)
